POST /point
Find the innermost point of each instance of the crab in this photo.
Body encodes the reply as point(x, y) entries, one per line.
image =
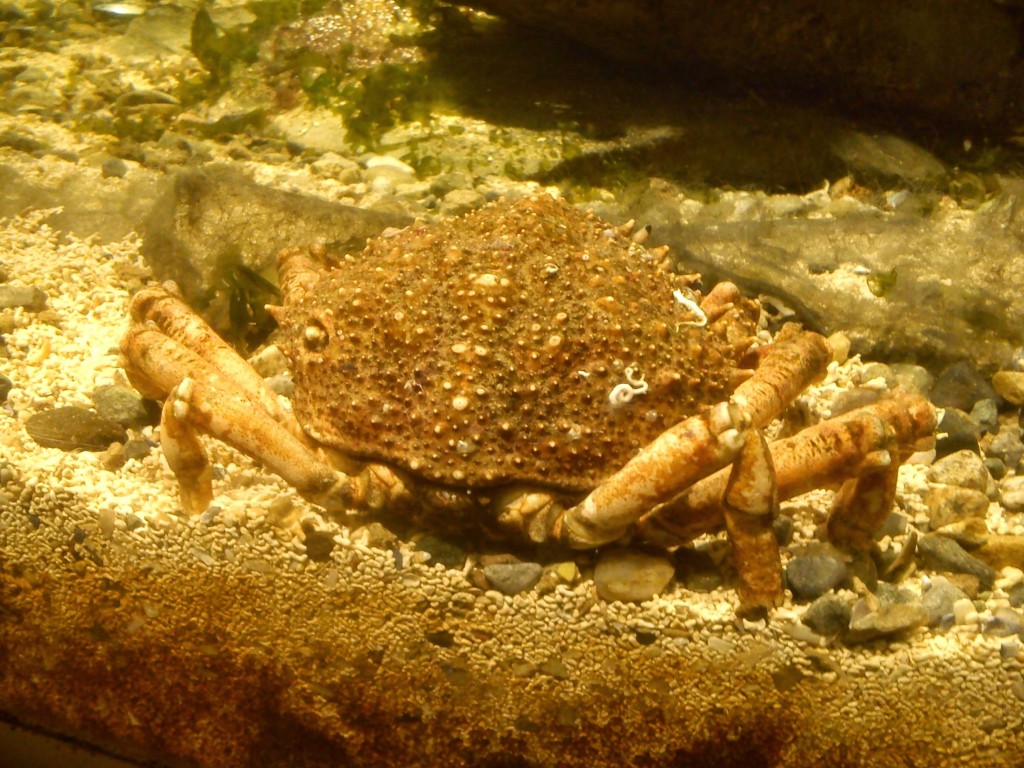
point(526, 370)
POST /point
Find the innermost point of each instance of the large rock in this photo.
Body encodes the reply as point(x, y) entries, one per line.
point(954, 58)
point(932, 289)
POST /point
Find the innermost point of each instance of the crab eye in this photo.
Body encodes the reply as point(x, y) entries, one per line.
point(315, 336)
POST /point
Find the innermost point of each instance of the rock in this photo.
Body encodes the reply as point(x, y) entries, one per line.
point(25, 296)
point(319, 544)
point(1004, 622)
point(828, 615)
point(379, 537)
point(885, 57)
point(950, 504)
point(556, 575)
point(447, 553)
point(123, 405)
point(1001, 550)
point(960, 386)
point(6, 385)
point(1011, 493)
point(985, 414)
point(631, 576)
point(849, 399)
point(390, 168)
point(963, 468)
point(969, 533)
point(939, 598)
point(204, 213)
point(943, 554)
point(512, 578)
point(782, 525)
point(460, 201)
point(73, 429)
point(956, 432)
point(888, 619)
point(1007, 446)
point(913, 378)
point(137, 449)
point(810, 576)
point(1009, 385)
point(995, 467)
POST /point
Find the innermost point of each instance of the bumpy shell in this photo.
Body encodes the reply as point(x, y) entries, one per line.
point(482, 351)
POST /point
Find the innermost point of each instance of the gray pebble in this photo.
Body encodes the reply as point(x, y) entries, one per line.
point(914, 378)
point(631, 576)
point(943, 554)
point(949, 504)
point(460, 201)
point(938, 599)
point(995, 467)
point(810, 576)
point(124, 406)
point(850, 399)
point(137, 449)
point(889, 619)
point(73, 429)
point(115, 167)
point(447, 553)
point(1011, 493)
point(1016, 595)
point(1004, 622)
point(26, 296)
point(963, 468)
point(961, 386)
point(1006, 445)
point(985, 414)
point(956, 432)
point(782, 525)
point(829, 615)
point(512, 578)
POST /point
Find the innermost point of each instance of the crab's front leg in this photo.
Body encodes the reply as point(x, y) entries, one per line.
point(199, 399)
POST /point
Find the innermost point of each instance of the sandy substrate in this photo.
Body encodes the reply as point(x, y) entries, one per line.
point(216, 641)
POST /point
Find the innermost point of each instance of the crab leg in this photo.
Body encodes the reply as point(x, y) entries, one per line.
point(750, 505)
point(696, 446)
point(162, 306)
point(854, 445)
point(200, 399)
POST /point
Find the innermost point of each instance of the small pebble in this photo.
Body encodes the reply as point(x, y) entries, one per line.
point(960, 386)
point(512, 578)
point(963, 468)
point(123, 405)
point(1011, 493)
point(985, 414)
point(956, 432)
point(1007, 446)
point(631, 576)
point(951, 504)
point(6, 385)
point(944, 554)
point(1009, 385)
point(940, 597)
point(26, 296)
point(810, 576)
point(71, 428)
point(829, 615)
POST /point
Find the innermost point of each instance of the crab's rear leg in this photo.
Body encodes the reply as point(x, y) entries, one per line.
point(862, 450)
point(696, 447)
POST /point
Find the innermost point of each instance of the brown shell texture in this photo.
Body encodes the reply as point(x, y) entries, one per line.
point(483, 350)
